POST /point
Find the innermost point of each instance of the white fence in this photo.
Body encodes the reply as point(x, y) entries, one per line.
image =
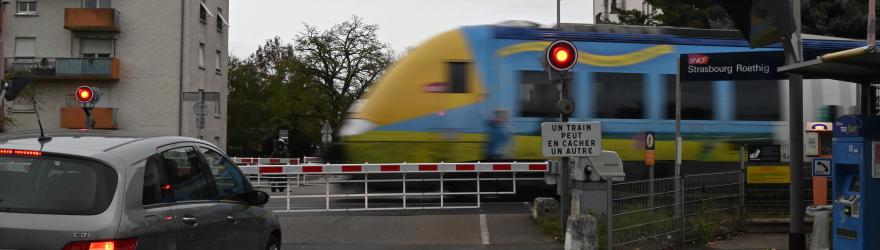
point(407, 182)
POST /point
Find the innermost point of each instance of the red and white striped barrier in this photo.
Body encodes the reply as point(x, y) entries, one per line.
point(309, 168)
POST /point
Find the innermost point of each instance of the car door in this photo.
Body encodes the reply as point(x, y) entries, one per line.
point(158, 229)
point(244, 222)
point(199, 217)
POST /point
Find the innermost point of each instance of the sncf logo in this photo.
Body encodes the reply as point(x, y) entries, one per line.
point(698, 59)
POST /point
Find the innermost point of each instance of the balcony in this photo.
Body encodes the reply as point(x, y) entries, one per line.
point(75, 117)
point(91, 19)
point(106, 69)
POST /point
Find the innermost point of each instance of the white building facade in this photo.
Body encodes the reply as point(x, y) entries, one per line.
point(161, 64)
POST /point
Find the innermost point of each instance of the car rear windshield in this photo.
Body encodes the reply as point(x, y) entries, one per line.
point(55, 185)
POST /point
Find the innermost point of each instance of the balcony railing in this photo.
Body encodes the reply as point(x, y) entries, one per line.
point(75, 117)
point(66, 68)
point(91, 19)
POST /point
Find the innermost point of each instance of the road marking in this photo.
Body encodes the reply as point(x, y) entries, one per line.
point(484, 230)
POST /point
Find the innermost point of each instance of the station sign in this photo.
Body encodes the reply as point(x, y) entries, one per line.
point(765, 153)
point(566, 139)
point(758, 65)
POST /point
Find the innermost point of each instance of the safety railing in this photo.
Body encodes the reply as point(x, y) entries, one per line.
point(649, 217)
point(415, 186)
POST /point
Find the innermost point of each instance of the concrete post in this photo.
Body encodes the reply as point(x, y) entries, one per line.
point(580, 233)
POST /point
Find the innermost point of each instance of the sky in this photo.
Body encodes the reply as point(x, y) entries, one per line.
point(402, 23)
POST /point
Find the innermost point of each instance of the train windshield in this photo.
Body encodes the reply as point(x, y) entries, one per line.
point(55, 185)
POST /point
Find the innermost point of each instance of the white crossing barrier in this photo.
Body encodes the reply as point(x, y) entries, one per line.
point(290, 176)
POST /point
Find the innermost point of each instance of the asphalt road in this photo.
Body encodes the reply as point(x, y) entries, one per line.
point(501, 222)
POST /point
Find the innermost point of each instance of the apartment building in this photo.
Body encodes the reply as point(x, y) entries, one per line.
point(604, 11)
point(161, 64)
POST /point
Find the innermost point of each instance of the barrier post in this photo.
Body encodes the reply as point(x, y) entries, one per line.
point(366, 191)
point(404, 191)
point(441, 190)
point(327, 191)
point(288, 193)
point(478, 189)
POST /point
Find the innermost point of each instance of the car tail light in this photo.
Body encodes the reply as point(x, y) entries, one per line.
point(124, 244)
point(19, 152)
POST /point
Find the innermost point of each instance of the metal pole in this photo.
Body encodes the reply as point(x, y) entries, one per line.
point(609, 216)
point(200, 120)
point(565, 171)
point(794, 54)
point(678, 192)
point(871, 20)
point(651, 186)
point(559, 12)
point(742, 187)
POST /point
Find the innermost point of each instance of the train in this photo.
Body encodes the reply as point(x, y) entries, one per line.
point(434, 103)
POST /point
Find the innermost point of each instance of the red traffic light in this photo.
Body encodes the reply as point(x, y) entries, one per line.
point(85, 94)
point(561, 55)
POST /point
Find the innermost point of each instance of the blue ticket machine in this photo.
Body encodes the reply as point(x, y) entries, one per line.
point(856, 182)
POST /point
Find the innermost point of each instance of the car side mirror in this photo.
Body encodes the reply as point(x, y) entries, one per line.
point(258, 198)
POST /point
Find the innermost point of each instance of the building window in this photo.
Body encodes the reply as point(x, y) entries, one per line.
point(218, 61)
point(96, 48)
point(26, 7)
point(204, 13)
point(458, 75)
point(96, 3)
point(537, 95)
point(619, 95)
point(25, 47)
point(757, 101)
point(201, 55)
point(696, 100)
point(221, 22)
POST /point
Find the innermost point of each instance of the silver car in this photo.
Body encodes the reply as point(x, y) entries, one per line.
point(82, 190)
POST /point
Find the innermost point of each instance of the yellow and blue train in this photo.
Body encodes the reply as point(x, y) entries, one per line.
point(434, 103)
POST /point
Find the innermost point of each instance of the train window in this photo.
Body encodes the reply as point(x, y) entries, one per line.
point(537, 95)
point(619, 95)
point(458, 75)
point(757, 100)
point(696, 100)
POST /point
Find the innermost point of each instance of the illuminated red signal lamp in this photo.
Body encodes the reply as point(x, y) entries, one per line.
point(561, 55)
point(85, 94)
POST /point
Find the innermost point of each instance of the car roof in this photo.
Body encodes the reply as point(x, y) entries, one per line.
point(107, 146)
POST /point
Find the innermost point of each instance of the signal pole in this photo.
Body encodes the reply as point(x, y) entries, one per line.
point(559, 58)
point(564, 173)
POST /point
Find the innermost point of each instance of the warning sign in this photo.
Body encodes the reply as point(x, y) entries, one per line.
point(560, 139)
point(768, 174)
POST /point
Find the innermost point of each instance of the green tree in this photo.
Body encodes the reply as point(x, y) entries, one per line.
point(297, 86)
point(345, 60)
point(840, 18)
point(702, 14)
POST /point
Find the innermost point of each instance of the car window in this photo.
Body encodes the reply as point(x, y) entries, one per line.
point(227, 178)
point(154, 179)
point(55, 185)
point(185, 177)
